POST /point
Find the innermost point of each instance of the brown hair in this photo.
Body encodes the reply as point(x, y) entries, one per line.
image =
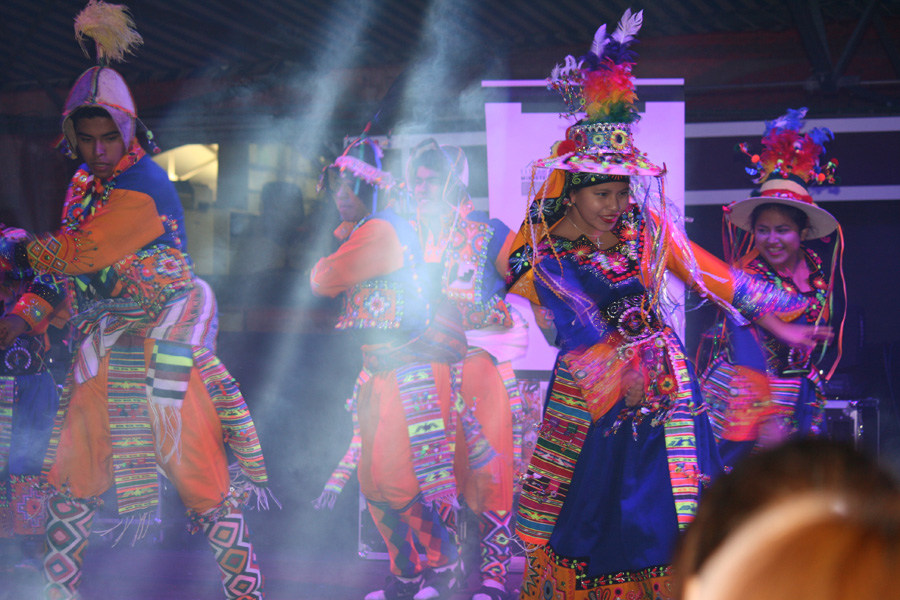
point(815, 545)
point(808, 464)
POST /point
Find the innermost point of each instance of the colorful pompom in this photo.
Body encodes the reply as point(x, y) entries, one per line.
point(789, 151)
point(565, 147)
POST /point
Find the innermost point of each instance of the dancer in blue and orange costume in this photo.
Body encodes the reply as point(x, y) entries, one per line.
point(404, 398)
point(145, 391)
point(762, 390)
point(625, 445)
point(29, 399)
point(469, 252)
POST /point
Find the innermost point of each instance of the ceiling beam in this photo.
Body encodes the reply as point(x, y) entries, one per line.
point(855, 38)
point(808, 18)
point(887, 42)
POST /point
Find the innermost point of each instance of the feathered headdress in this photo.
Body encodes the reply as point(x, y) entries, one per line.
point(787, 151)
point(112, 29)
point(600, 85)
point(788, 164)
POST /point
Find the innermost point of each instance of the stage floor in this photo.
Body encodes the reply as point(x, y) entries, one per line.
point(160, 572)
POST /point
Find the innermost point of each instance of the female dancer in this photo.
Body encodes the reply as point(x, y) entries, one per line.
point(625, 443)
point(780, 217)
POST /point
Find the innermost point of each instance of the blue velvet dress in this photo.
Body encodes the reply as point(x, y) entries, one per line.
point(611, 485)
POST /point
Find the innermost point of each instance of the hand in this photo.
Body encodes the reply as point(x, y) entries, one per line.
point(633, 384)
point(793, 334)
point(14, 233)
point(11, 327)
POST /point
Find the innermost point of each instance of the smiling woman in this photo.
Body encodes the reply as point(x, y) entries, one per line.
point(780, 216)
point(595, 209)
point(778, 230)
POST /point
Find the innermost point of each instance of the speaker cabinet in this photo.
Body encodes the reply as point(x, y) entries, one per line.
point(854, 421)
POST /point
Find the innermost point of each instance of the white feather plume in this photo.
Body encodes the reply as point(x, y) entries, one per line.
point(571, 66)
point(110, 26)
point(628, 26)
point(600, 41)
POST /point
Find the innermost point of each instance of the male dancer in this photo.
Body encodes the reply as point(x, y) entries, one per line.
point(468, 251)
point(404, 395)
point(145, 391)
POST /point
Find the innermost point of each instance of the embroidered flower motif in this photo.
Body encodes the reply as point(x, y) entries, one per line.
point(377, 304)
point(583, 253)
point(521, 260)
point(617, 263)
point(666, 383)
point(628, 232)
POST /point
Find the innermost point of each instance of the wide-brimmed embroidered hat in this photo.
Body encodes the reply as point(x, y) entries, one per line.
point(788, 164)
point(600, 85)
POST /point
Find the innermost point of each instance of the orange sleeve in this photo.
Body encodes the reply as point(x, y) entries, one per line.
point(751, 298)
point(39, 314)
point(33, 310)
point(128, 222)
point(372, 250)
point(717, 276)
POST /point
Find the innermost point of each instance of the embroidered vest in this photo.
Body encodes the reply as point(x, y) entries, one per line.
point(155, 273)
point(469, 278)
point(783, 359)
point(394, 307)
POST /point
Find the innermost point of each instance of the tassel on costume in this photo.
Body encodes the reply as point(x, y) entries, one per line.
point(112, 29)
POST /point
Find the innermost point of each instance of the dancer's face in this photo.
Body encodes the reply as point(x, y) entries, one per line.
point(600, 206)
point(100, 144)
point(778, 238)
point(350, 207)
point(428, 191)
